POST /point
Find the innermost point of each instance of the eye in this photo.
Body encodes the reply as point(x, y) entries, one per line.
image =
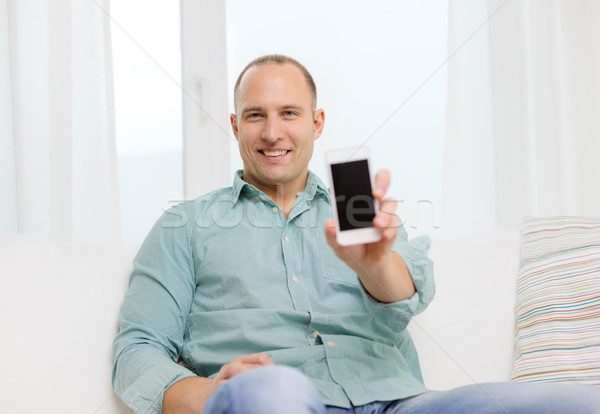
point(289, 114)
point(253, 115)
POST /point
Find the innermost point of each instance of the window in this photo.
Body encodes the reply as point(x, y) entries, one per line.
point(379, 69)
point(147, 75)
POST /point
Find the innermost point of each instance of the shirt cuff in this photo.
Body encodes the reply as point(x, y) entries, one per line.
point(145, 393)
point(397, 315)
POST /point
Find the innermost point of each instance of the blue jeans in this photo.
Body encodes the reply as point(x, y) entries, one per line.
point(278, 389)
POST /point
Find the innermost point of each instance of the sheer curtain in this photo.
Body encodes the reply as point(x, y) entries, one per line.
point(523, 132)
point(8, 190)
point(58, 142)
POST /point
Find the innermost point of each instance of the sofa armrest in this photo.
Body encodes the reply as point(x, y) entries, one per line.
point(466, 335)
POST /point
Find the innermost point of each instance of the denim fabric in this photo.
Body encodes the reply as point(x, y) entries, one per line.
point(503, 398)
point(271, 389)
point(284, 390)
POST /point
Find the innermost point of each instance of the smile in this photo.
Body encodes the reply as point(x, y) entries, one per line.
point(274, 153)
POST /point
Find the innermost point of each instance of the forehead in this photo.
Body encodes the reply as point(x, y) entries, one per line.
point(270, 83)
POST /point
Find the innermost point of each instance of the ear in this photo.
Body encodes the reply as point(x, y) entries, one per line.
point(319, 122)
point(234, 127)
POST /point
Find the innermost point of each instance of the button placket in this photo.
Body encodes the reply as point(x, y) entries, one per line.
point(296, 288)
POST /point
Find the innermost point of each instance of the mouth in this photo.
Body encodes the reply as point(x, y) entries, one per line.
point(274, 153)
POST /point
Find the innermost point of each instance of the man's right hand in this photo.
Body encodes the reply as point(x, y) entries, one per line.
point(189, 395)
point(239, 365)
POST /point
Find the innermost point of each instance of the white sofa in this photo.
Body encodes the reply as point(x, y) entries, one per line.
point(59, 303)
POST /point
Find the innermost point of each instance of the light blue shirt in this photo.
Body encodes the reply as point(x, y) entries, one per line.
point(227, 274)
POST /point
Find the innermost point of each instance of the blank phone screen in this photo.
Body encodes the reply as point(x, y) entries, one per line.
point(354, 200)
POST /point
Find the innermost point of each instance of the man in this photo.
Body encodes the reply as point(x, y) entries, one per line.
point(248, 287)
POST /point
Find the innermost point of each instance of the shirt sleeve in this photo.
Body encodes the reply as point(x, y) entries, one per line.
point(154, 314)
point(397, 315)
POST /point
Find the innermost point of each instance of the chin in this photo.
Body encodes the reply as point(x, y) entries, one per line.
point(275, 180)
point(275, 177)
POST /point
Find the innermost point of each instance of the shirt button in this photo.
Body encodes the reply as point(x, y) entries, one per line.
point(330, 343)
point(295, 279)
point(315, 334)
point(286, 238)
point(275, 210)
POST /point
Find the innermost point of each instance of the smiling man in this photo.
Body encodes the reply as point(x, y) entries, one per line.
point(241, 301)
point(276, 128)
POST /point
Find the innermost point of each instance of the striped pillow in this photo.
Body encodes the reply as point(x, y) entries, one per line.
point(558, 301)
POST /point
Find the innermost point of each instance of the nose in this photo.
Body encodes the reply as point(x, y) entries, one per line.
point(273, 130)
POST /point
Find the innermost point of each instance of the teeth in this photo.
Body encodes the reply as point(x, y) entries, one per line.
point(274, 153)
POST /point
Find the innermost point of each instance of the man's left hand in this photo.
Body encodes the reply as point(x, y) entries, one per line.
point(381, 271)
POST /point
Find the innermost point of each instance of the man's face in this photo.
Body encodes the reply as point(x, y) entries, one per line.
point(275, 126)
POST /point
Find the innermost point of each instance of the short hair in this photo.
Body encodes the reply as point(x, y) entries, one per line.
point(278, 60)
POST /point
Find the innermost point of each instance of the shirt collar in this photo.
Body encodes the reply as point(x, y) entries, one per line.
point(314, 186)
point(239, 184)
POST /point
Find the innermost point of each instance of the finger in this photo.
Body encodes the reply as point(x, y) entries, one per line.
point(388, 206)
point(382, 183)
point(242, 363)
point(265, 359)
point(391, 229)
point(234, 368)
point(389, 235)
point(252, 358)
point(330, 228)
point(386, 215)
point(390, 232)
point(224, 373)
point(330, 235)
point(391, 222)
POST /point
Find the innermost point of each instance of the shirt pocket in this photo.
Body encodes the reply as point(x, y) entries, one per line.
point(329, 266)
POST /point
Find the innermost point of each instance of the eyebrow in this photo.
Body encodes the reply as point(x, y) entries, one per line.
point(281, 108)
point(252, 109)
point(288, 107)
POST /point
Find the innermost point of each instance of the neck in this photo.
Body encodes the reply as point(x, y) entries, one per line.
point(284, 195)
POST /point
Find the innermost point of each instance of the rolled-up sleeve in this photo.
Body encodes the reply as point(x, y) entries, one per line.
point(153, 316)
point(397, 315)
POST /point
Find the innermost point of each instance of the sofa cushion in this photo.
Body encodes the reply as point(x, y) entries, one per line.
point(59, 302)
point(465, 336)
point(558, 301)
